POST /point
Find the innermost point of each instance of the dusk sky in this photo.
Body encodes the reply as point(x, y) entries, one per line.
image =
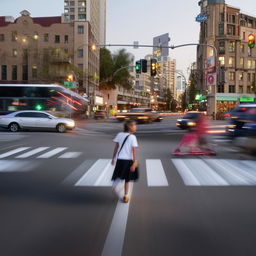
point(138, 20)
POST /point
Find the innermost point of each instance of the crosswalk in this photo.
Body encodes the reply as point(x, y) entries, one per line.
point(193, 172)
point(39, 153)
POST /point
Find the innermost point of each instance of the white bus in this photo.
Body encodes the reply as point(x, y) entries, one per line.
point(53, 98)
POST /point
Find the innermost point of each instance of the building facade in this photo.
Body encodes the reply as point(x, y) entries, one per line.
point(227, 29)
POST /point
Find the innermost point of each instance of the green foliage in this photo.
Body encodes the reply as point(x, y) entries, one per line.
point(192, 88)
point(110, 64)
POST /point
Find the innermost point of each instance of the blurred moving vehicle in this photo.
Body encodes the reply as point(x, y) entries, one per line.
point(239, 117)
point(35, 120)
point(100, 114)
point(189, 120)
point(141, 115)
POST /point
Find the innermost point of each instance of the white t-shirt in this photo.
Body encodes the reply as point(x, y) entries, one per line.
point(126, 152)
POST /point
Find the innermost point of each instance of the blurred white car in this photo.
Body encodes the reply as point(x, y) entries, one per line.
point(35, 120)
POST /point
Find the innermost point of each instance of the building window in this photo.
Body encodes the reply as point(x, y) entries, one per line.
point(241, 89)
point(14, 36)
point(57, 39)
point(25, 72)
point(221, 47)
point(221, 29)
point(82, 17)
point(250, 23)
point(222, 61)
point(72, 3)
point(72, 9)
point(82, 9)
point(249, 64)
point(66, 3)
point(81, 3)
point(66, 10)
point(14, 52)
point(80, 30)
point(241, 62)
point(248, 77)
point(243, 35)
point(34, 72)
point(241, 76)
point(232, 76)
point(221, 88)
point(232, 46)
point(46, 37)
point(232, 89)
point(242, 48)
point(222, 17)
point(253, 77)
point(231, 62)
point(66, 39)
point(14, 72)
point(231, 30)
point(4, 72)
point(1, 37)
point(80, 53)
point(81, 67)
point(249, 89)
point(72, 17)
point(232, 19)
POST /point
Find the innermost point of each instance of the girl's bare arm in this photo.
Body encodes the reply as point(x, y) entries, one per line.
point(114, 153)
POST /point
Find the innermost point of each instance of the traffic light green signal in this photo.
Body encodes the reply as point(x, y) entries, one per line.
point(38, 107)
point(251, 41)
point(138, 67)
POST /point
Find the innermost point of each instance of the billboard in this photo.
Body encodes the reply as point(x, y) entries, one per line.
point(160, 43)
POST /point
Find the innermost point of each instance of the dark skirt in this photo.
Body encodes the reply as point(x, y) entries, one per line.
point(122, 171)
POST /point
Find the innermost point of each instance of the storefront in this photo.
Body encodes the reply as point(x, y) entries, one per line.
point(226, 103)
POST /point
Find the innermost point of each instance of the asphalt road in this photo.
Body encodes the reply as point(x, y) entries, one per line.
point(56, 197)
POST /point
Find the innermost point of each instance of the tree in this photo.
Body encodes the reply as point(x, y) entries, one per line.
point(192, 88)
point(169, 99)
point(110, 64)
point(183, 100)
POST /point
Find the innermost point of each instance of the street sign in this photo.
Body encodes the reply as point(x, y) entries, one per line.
point(69, 84)
point(211, 64)
point(211, 79)
point(201, 18)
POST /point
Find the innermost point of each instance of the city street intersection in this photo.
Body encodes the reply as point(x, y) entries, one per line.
point(56, 196)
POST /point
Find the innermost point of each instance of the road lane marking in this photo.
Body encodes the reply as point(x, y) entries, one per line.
point(104, 179)
point(32, 152)
point(155, 173)
point(69, 155)
point(13, 152)
point(93, 174)
point(188, 177)
point(52, 153)
point(16, 166)
point(115, 239)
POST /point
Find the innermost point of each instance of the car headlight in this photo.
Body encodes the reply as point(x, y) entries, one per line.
point(71, 123)
point(179, 120)
point(178, 124)
point(142, 117)
point(191, 124)
point(120, 116)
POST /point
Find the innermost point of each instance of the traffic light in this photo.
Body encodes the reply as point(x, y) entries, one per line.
point(153, 67)
point(138, 67)
point(144, 66)
point(38, 107)
point(70, 78)
point(251, 41)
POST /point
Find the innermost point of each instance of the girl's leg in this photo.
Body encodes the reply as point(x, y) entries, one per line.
point(126, 188)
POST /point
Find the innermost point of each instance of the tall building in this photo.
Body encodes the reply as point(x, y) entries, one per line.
point(89, 20)
point(226, 28)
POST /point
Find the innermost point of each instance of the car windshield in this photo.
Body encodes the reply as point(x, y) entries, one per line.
point(191, 116)
point(139, 110)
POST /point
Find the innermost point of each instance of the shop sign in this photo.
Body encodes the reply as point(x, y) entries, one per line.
point(201, 18)
point(226, 98)
point(247, 99)
point(98, 100)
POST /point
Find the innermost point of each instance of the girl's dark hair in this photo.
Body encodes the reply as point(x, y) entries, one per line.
point(127, 124)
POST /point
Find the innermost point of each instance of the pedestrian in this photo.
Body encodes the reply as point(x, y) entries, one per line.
point(125, 157)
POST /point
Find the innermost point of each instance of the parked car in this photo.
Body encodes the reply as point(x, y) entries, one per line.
point(100, 114)
point(141, 115)
point(189, 120)
point(22, 120)
point(239, 117)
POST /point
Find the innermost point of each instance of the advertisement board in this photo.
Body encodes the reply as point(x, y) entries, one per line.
point(160, 45)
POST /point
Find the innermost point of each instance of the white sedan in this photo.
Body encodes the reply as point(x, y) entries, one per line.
point(35, 120)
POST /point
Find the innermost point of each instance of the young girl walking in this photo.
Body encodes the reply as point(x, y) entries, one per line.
point(125, 152)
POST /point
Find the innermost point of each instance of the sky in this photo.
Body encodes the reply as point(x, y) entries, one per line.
point(138, 20)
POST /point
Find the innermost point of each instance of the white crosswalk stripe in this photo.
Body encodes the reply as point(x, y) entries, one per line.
point(13, 152)
point(98, 175)
point(16, 166)
point(69, 155)
point(216, 172)
point(52, 152)
point(155, 173)
point(32, 152)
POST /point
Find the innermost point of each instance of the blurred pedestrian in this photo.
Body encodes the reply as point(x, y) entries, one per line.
point(125, 157)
